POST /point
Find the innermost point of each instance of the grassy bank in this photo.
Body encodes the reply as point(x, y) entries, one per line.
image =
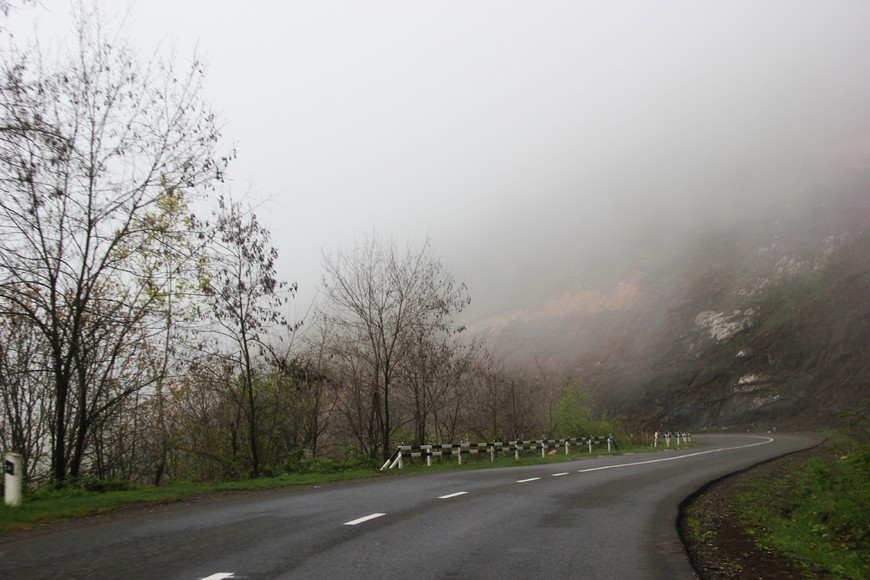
point(815, 511)
point(801, 516)
point(50, 506)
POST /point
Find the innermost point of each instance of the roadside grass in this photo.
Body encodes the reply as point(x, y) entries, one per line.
point(51, 506)
point(815, 511)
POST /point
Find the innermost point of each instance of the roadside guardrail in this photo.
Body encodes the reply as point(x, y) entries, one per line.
point(493, 447)
point(680, 437)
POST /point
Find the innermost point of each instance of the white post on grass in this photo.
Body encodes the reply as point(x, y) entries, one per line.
point(590, 445)
point(12, 465)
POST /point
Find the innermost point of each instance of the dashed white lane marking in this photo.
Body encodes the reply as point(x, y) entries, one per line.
point(528, 480)
point(765, 442)
point(218, 576)
point(363, 519)
point(560, 474)
point(450, 495)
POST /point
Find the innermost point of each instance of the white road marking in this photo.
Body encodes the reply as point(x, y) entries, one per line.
point(218, 576)
point(765, 442)
point(528, 480)
point(363, 519)
point(450, 495)
point(560, 474)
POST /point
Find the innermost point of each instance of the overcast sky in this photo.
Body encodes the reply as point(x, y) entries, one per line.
point(519, 136)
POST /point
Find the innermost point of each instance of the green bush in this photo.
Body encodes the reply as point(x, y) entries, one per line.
point(358, 459)
point(78, 488)
point(301, 464)
point(574, 417)
point(103, 486)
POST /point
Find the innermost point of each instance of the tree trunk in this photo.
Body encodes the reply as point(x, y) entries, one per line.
point(386, 422)
point(59, 452)
point(252, 431)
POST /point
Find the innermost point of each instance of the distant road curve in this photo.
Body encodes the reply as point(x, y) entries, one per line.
point(606, 517)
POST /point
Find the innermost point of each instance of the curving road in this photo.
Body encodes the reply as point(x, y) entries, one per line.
point(605, 517)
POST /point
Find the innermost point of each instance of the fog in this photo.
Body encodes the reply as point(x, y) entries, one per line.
point(529, 141)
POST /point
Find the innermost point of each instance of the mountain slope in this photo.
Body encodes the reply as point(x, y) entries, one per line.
point(762, 324)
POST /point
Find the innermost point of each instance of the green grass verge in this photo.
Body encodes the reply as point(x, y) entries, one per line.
point(48, 507)
point(815, 511)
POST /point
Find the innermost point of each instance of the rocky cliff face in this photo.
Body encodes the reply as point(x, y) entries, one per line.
point(763, 325)
point(794, 354)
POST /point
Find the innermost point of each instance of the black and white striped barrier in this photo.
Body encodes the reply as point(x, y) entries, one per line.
point(681, 436)
point(430, 451)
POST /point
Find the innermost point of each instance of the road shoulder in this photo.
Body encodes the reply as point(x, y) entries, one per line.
point(720, 546)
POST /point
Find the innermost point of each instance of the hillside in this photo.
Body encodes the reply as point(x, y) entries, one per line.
point(764, 323)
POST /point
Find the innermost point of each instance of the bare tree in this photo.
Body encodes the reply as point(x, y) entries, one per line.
point(170, 252)
point(88, 142)
point(423, 376)
point(377, 299)
point(298, 403)
point(245, 296)
point(453, 395)
point(24, 396)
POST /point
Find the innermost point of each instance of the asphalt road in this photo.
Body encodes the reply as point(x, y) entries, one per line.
point(605, 517)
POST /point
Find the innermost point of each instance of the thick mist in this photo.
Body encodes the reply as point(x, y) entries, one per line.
point(536, 145)
point(679, 122)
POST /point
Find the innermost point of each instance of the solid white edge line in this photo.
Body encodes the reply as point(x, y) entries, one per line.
point(451, 495)
point(765, 442)
point(363, 519)
point(528, 480)
point(560, 474)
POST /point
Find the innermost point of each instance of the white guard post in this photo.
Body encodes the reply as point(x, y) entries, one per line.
point(13, 467)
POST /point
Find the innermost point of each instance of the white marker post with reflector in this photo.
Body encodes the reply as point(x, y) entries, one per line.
point(12, 468)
